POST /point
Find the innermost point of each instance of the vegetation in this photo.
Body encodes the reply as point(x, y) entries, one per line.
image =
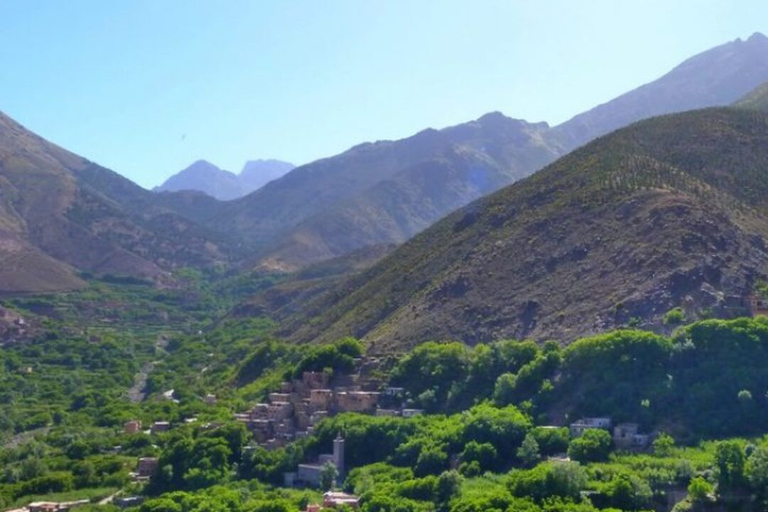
point(485, 444)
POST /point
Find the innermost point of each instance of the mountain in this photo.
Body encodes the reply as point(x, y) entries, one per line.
point(203, 176)
point(716, 77)
point(669, 212)
point(755, 100)
point(384, 192)
point(61, 214)
point(257, 173)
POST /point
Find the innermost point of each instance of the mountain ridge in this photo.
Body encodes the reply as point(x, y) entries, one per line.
point(60, 214)
point(628, 227)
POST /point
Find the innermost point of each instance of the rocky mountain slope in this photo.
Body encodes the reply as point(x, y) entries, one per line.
point(716, 77)
point(203, 176)
point(60, 214)
point(755, 100)
point(670, 212)
point(389, 191)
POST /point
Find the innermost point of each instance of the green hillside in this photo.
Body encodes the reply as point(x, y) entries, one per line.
point(666, 213)
point(60, 214)
point(755, 100)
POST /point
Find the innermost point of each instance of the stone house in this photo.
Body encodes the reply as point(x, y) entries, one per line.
point(309, 474)
point(146, 466)
point(320, 399)
point(160, 426)
point(356, 401)
point(627, 436)
point(132, 427)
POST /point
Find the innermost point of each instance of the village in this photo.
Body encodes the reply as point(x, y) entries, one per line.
point(294, 411)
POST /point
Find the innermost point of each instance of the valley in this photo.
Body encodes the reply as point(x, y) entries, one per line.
point(494, 316)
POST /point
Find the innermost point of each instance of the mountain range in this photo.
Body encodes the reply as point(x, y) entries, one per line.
point(61, 214)
point(203, 176)
point(387, 192)
point(668, 213)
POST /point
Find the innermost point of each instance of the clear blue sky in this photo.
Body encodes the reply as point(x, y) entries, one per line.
point(145, 87)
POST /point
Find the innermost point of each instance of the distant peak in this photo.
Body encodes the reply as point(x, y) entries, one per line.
point(497, 119)
point(203, 164)
point(757, 37)
point(493, 117)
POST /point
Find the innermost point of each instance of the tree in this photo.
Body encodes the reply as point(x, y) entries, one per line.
point(562, 479)
point(431, 461)
point(730, 461)
point(757, 472)
point(160, 505)
point(629, 492)
point(663, 445)
point(484, 455)
point(448, 486)
point(593, 446)
point(699, 490)
point(528, 453)
point(329, 474)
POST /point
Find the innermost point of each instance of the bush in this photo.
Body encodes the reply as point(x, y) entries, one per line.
point(593, 446)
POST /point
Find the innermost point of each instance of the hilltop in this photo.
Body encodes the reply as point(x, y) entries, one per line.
point(667, 213)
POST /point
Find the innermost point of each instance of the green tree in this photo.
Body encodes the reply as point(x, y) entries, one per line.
point(431, 461)
point(483, 454)
point(329, 474)
point(699, 490)
point(663, 445)
point(447, 487)
point(528, 453)
point(160, 505)
point(730, 462)
point(593, 446)
point(757, 472)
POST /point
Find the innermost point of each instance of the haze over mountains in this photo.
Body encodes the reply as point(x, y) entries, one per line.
point(203, 176)
point(76, 216)
point(389, 191)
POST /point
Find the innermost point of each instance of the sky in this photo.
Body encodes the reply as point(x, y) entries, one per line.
point(146, 87)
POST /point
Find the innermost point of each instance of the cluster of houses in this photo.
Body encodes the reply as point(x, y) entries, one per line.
point(301, 404)
point(626, 436)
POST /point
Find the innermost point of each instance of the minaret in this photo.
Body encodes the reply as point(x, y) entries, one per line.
point(338, 453)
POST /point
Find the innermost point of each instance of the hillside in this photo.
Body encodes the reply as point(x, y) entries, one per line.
point(666, 213)
point(60, 214)
point(388, 191)
point(203, 176)
point(755, 100)
point(430, 175)
point(717, 77)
